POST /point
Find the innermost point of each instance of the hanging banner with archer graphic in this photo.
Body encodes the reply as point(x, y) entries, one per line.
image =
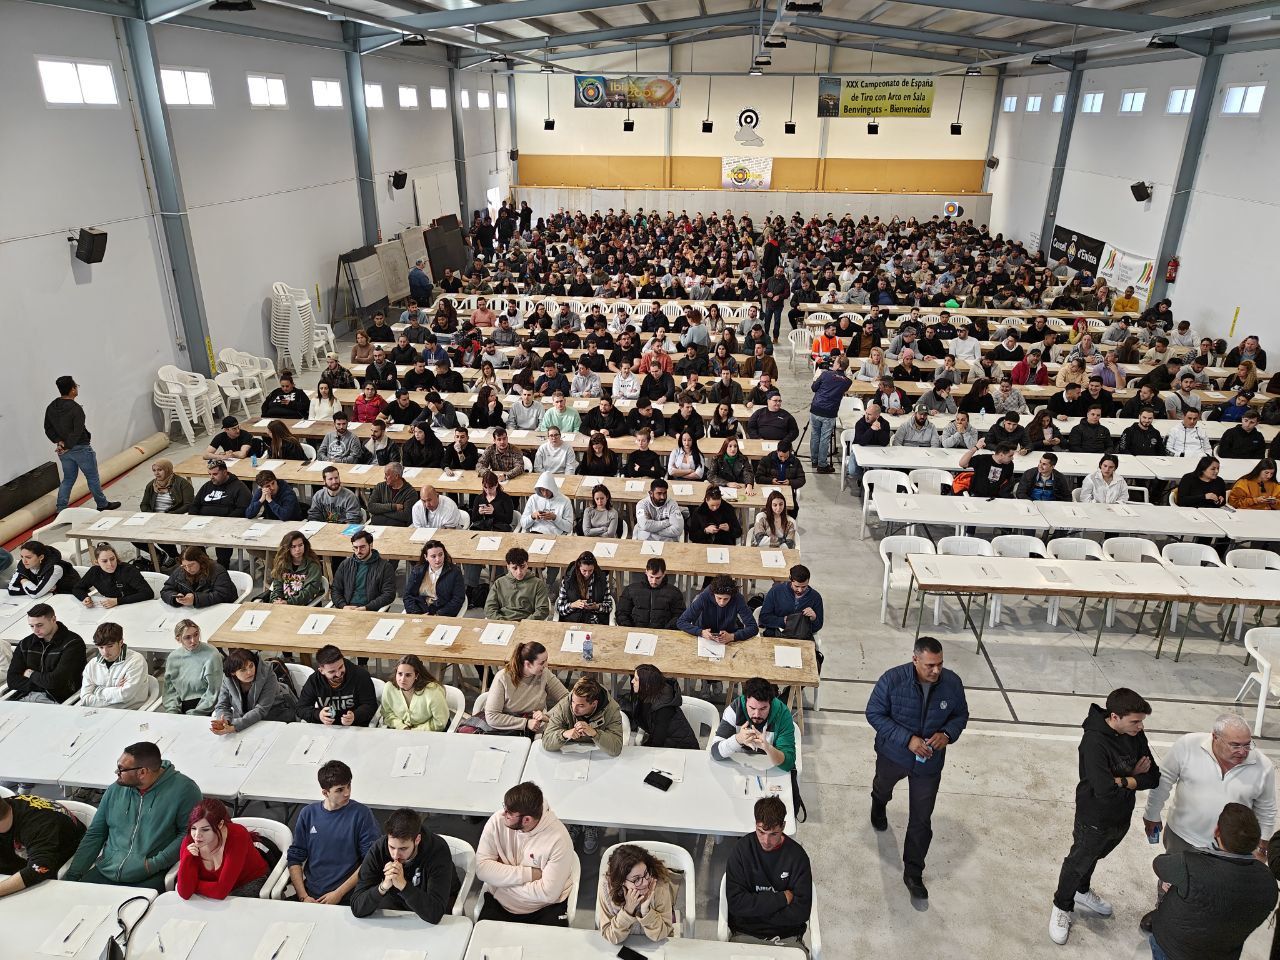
point(626, 93)
point(746, 173)
point(907, 96)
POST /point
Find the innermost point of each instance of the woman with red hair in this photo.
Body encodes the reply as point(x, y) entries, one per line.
point(221, 860)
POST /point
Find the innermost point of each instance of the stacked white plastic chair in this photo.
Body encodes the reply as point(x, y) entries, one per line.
point(293, 326)
point(195, 399)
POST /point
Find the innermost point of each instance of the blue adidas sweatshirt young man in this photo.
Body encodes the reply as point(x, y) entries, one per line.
point(330, 843)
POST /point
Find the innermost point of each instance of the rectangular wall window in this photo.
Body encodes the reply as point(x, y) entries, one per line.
point(1132, 101)
point(373, 96)
point(267, 92)
point(1033, 104)
point(1091, 102)
point(482, 99)
point(1242, 100)
point(186, 88)
point(439, 98)
point(408, 98)
point(465, 97)
point(77, 83)
point(1010, 104)
point(501, 100)
point(326, 94)
point(1058, 100)
point(1180, 100)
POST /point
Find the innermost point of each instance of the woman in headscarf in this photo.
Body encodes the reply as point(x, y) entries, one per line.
point(166, 493)
point(548, 511)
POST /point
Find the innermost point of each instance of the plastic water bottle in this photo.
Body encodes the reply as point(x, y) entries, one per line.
point(586, 647)
point(253, 460)
point(1155, 836)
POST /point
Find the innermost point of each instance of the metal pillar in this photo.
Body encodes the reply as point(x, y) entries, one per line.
point(180, 250)
point(991, 135)
point(511, 117)
point(360, 134)
point(820, 175)
point(1070, 105)
point(459, 139)
point(1189, 164)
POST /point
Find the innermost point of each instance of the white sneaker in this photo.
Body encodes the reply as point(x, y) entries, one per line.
point(1059, 926)
point(1091, 901)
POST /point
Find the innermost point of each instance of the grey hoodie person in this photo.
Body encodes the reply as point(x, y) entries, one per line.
point(266, 699)
point(340, 507)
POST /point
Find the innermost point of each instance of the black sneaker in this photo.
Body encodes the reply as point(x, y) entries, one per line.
point(879, 819)
point(916, 887)
point(1145, 923)
point(110, 505)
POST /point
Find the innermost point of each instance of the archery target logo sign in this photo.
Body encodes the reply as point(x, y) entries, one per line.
point(748, 123)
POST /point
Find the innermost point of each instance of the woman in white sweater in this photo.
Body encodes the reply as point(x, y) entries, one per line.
point(523, 692)
point(873, 367)
point(1105, 485)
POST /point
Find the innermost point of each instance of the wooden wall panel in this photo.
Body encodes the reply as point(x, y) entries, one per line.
point(902, 176)
point(695, 173)
point(795, 173)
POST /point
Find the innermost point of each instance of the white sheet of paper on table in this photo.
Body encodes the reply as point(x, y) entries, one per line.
point(137, 520)
point(1215, 395)
point(318, 466)
point(315, 624)
point(497, 634)
point(255, 531)
point(605, 551)
point(385, 629)
point(773, 559)
point(768, 446)
point(284, 941)
point(163, 624)
point(375, 530)
point(443, 635)
point(787, 657)
point(8, 725)
point(682, 489)
point(1054, 574)
point(709, 649)
point(642, 644)
point(581, 404)
point(569, 438)
point(362, 468)
point(634, 486)
point(411, 472)
point(237, 751)
point(991, 573)
point(448, 476)
point(755, 787)
point(197, 523)
point(574, 769)
point(541, 547)
point(1122, 511)
point(729, 493)
point(560, 480)
point(486, 765)
point(410, 761)
point(489, 544)
point(717, 555)
point(271, 465)
point(251, 620)
point(765, 491)
point(262, 424)
point(70, 935)
point(478, 434)
point(651, 548)
point(312, 527)
point(303, 424)
point(231, 461)
point(519, 434)
point(673, 766)
point(174, 941)
point(422, 534)
point(309, 751)
point(573, 641)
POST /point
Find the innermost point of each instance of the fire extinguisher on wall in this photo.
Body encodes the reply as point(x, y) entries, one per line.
point(1171, 271)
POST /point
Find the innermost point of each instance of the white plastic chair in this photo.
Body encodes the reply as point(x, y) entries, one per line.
point(278, 833)
point(846, 448)
point(1187, 555)
point(1263, 644)
point(464, 860)
point(238, 392)
point(1251, 560)
point(84, 812)
point(959, 546)
point(1014, 545)
point(676, 859)
point(243, 582)
point(457, 707)
point(813, 935)
point(299, 674)
point(893, 554)
point(700, 714)
point(1070, 548)
point(896, 479)
point(5, 793)
point(930, 479)
point(170, 404)
point(801, 344)
point(378, 686)
point(308, 451)
point(576, 881)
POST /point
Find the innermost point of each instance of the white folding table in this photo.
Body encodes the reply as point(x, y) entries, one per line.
point(931, 509)
point(38, 741)
point(573, 943)
point(54, 906)
point(1136, 518)
point(148, 626)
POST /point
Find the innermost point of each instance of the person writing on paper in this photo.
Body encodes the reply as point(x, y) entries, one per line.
point(548, 511)
point(117, 677)
point(198, 582)
point(435, 584)
point(636, 895)
point(521, 692)
point(653, 706)
point(756, 724)
point(525, 861)
point(109, 583)
point(141, 822)
point(221, 860)
point(437, 511)
point(250, 693)
point(584, 592)
point(519, 594)
point(339, 692)
point(296, 576)
point(331, 838)
point(768, 882)
point(46, 834)
point(364, 581)
point(414, 700)
point(48, 663)
point(413, 870)
point(719, 614)
point(192, 673)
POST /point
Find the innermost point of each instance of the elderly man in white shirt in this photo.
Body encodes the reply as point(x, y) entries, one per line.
point(436, 511)
point(1187, 439)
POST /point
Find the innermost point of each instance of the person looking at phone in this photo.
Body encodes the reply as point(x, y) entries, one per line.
point(756, 723)
point(339, 692)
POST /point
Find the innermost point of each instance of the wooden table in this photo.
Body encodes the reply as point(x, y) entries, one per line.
point(463, 402)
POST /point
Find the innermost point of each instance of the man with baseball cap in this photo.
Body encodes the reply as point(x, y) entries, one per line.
point(64, 425)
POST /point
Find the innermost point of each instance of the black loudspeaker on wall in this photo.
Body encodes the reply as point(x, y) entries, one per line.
point(1141, 192)
point(399, 179)
point(91, 245)
point(513, 155)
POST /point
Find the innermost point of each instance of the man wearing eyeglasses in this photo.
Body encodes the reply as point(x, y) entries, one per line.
point(1209, 771)
point(140, 825)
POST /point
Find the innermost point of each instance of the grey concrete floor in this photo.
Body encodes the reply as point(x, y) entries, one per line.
point(1003, 818)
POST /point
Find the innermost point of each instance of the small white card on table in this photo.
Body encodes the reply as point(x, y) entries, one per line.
point(709, 649)
point(284, 941)
point(251, 620)
point(443, 635)
point(773, 559)
point(573, 641)
point(489, 544)
point(312, 527)
point(574, 769)
point(605, 551)
point(309, 750)
point(651, 548)
point(137, 520)
point(498, 634)
point(717, 555)
point(634, 486)
point(69, 936)
point(410, 762)
point(541, 547)
point(787, 657)
point(385, 629)
point(174, 941)
point(315, 624)
point(486, 765)
point(197, 523)
point(682, 489)
point(422, 534)
point(642, 644)
point(106, 523)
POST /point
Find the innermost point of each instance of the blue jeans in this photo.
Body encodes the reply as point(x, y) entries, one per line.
point(1156, 952)
point(823, 428)
point(73, 461)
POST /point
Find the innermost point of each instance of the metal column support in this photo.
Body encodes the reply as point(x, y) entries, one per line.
point(460, 140)
point(669, 122)
point(1189, 164)
point(1070, 105)
point(824, 130)
point(173, 207)
point(360, 134)
point(511, 117)
point(991, 135)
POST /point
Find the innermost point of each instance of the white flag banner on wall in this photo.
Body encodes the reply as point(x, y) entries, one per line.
point(746, 173)
point(1123, 269)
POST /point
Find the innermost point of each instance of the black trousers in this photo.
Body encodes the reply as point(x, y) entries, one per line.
point(923, 793)
point(1090, 843)
point(554, 915)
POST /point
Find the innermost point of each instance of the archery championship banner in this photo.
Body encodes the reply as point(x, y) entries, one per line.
point(1082, 251)
point(1123, 269)
point(626, 93)
point(905, 96)
point(745, 173)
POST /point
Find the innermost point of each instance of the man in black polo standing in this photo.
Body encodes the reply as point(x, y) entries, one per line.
point(64, 426)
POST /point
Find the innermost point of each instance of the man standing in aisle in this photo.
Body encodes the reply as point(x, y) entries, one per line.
point(917, 709)
point(1210, 770)
point(828, 389)
point(64, 426)
point(1115, 763)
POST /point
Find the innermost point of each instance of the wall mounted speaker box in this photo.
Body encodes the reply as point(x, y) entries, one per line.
point(91, 246)
point(1141, 192)
point(399, 179)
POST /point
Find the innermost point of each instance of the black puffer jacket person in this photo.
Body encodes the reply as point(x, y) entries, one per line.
point(660, 717)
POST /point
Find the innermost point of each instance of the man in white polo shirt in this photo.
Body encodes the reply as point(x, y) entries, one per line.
point(1210, 770)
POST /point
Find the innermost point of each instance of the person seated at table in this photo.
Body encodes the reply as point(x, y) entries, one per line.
point(756, 723)
point(166, 492)
point(362, 350)
point(646, 416)
point(1183, 398)
point(330, 840)
point(130, 842)
point(730, 468)
point(403, 410)
point(192, 673)
point(719, 614)
point(221, 860)
point(340, 445)
point(364, 580)
point(1089, 435)
point(435, 584)
point(1044, 482)
point(233, 441)
point(280, 443)
point(992, 469)
point(560, 416)
point(287, 401)
point(917, 430)
point(652, 705)
point(296, 576)
point(600, 518)
point(1008, 429)
point(1029, 370)
point(525, 861)
point(772, 422)
point(437, 511)
point(462, 454)
point(41, 572)
point(370, 405)
point(414, 699)
point(547, 511)
point(423, 448)
point(37, 836)
point(584, 592)
point(519, 594)
point(769, 882)
point(1202, 487)
point(333, 503)
point(1043, 433)
point(1248, 349)
point(653, 601)
point(1105, 485)
point(773, 526)
point(412, 870)
point(1187, 438)
point(117, 677)
point(636, 894)
point(555, 455)
point(959, 434)
point(379, 331)
point(588, 717)
point(47, 664)
point(714, 520)
point(492, 510)
point(109, 583)
point(793, 609)
point(338, 692)
point(273, 499)
point(1233, 410)
point(392, 501)
point(599, 460)
point(250, 692)
point(198, 582)
point(380, 373)
point(782, 468)
point(1257, 489)
point(685, 460)
point(642, 462)
point(978, 399)
point(658, 516)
